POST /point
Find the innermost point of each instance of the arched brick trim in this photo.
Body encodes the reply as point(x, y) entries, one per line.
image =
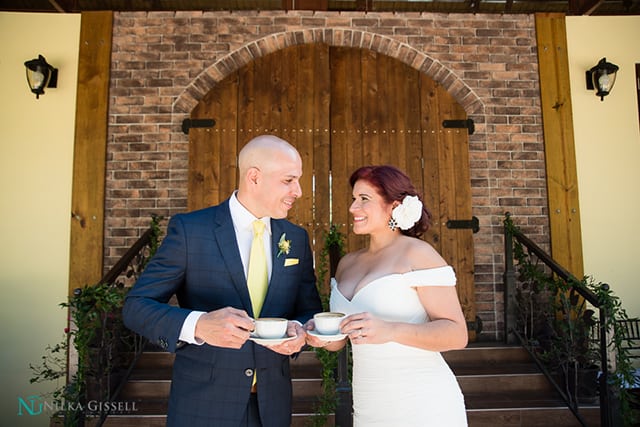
point(333, 37)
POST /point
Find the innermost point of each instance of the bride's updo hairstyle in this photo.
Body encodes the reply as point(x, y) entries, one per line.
point(393, 185)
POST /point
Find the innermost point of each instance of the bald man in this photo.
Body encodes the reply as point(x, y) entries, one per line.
point(204, 260)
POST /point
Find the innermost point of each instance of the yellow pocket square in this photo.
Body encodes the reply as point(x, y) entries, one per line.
point(291, 261)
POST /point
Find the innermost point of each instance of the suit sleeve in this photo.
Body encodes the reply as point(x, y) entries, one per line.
point(147, 310)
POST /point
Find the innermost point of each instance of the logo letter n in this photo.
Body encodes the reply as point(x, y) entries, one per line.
point(30, 407)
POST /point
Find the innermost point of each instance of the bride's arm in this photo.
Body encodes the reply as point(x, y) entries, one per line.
point(446, 328)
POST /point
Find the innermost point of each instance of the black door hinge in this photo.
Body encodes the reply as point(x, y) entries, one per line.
point(196, 123)
point(460, 124)
point(464, 224)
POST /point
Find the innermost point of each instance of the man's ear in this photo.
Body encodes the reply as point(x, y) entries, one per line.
point(253, 174)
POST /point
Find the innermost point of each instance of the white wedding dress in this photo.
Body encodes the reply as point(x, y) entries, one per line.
point(394, 384)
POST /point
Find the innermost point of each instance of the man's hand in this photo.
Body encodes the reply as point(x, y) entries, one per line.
point(294, 345)
point(227, 327)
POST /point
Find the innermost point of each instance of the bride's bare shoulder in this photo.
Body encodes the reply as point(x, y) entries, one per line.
point(422, 255)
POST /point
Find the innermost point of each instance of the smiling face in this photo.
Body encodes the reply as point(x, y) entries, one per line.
point(370, 212)
point(279, 185)
point(270, 177)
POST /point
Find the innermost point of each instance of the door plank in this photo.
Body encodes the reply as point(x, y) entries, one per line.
point(346, 117)
point(212, 152)
point(299, 108)
point(315, 64)
point(246, 103)
point(430, 155)
point(372, 122)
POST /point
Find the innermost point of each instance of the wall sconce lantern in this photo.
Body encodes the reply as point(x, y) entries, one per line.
point(602, 78)
point(40, 74)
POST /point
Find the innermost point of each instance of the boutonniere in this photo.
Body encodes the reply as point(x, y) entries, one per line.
point(284, 245)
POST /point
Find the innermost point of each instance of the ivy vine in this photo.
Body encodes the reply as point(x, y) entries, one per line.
point(333, 245)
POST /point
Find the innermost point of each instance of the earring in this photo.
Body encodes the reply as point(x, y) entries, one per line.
point(393, 224)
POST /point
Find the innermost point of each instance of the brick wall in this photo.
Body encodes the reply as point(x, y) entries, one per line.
point(164, 62)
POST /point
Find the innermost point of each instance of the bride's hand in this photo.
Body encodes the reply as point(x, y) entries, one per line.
point(364, 328)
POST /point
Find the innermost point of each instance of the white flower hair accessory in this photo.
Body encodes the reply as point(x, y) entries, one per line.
point(406, 214)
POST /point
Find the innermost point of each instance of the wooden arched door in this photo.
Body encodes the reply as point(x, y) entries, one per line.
point(342, 108)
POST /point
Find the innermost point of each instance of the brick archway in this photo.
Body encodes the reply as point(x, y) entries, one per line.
point(427, 65)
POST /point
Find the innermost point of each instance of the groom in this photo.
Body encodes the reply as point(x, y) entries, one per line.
point(220, 377)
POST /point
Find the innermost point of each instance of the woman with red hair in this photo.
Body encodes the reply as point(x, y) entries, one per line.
point(403, 309)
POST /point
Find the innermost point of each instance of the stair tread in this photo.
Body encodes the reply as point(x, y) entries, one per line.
point(495, 369)
point(498, 382)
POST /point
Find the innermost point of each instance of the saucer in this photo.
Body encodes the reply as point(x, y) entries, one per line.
point(269, 341)
point(328, 338)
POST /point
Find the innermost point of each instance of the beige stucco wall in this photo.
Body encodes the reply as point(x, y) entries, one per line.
point(607, 137)
point(36, 155)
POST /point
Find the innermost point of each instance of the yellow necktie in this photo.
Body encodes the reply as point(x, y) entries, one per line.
point(257, 276)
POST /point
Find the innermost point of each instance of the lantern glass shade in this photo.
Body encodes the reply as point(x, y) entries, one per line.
point(40, 74)
point(602, 77)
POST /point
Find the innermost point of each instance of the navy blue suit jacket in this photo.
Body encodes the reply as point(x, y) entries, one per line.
point(199, 261)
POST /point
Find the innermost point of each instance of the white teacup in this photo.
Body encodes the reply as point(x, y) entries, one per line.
point(271, 327)
point(328, 323)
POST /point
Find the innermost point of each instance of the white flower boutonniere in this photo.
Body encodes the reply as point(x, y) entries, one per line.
point(284, 245)
point(407, 213)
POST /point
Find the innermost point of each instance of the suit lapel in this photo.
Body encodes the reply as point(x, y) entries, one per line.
point(228, 246)
point(278, 261)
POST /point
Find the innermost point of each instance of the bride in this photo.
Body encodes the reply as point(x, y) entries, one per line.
point(403, 310)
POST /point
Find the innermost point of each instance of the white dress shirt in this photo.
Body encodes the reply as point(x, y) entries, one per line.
point(243, 226)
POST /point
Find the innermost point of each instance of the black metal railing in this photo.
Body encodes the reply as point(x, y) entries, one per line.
point(532, 313)
point(125, 271)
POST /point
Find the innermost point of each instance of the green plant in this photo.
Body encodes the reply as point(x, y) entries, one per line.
point(102, 342)
point(332, 250)
point(562, 329)
point(103, 345)
point(53, 367)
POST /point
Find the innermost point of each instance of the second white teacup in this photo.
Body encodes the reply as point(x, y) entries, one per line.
point(328, 323)
point(271, 327)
